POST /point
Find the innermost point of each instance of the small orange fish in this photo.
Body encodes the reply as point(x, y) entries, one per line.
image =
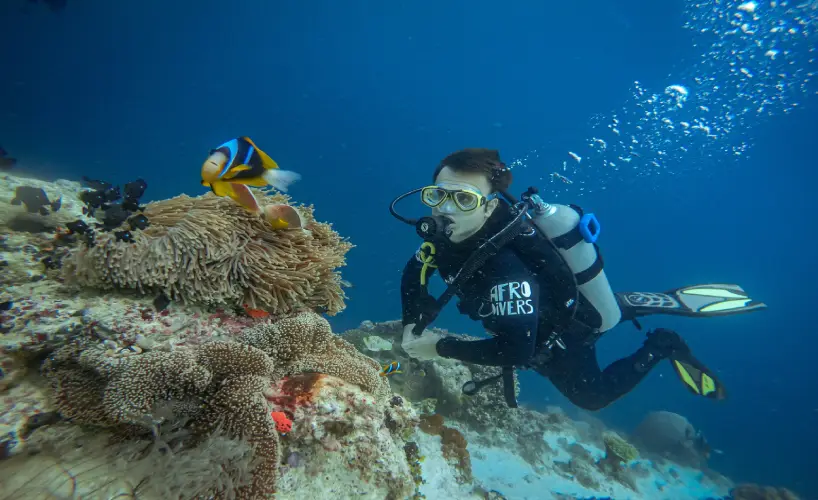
point(255, 313)
point(239, 163)
point(390, 369)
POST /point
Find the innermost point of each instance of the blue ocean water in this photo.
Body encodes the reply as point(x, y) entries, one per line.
point(364, 98)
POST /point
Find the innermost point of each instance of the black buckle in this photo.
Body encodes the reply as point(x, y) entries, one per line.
point(555, 340)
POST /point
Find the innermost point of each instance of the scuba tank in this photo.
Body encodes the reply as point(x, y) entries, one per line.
point(574, 233)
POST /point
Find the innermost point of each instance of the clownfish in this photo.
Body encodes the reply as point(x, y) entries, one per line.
point(390, 369)
point(239, 163)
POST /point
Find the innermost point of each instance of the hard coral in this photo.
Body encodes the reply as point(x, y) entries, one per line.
point(305, 343)
point(209, 250)
point(617, 450)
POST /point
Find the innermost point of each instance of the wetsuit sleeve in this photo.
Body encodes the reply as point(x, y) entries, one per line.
point(509, 296)
point(415, 297)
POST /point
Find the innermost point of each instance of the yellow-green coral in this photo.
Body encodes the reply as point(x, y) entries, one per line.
point(619, 448)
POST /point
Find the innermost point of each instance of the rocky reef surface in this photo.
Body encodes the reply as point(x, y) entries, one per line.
point(161, 386)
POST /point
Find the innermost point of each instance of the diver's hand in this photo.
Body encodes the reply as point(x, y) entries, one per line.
point(423, 347)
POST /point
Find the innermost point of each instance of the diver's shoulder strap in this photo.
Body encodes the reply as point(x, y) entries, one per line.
point(542, 257)
point(475, 261)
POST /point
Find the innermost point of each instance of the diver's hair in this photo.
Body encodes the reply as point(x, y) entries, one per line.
point(481, 160)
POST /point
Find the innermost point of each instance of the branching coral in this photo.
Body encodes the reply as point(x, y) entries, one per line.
point(305, 343)
point(209, 250)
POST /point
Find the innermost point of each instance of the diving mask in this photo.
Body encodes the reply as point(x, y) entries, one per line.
point(464, 199)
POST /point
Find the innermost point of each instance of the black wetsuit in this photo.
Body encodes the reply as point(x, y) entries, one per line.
point(507, 296)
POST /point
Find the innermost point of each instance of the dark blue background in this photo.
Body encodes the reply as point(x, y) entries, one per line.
point(363, 98)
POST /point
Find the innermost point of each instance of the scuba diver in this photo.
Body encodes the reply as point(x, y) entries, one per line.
point(531, 272)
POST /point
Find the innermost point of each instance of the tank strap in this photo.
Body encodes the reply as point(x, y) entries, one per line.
point(573, 237)
point(593, 270)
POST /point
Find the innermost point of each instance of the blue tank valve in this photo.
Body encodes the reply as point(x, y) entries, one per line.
point(589, 227)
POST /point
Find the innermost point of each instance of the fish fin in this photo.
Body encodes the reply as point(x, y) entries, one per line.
point(16, 201)
point(235, 170)
point(279, 223)
point(242, 195)
point(253, 181)
point(221, 188)
point(266, 162)
point(280, 179)
point(283, 217)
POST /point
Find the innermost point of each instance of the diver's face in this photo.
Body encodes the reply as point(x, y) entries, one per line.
point(464, 224)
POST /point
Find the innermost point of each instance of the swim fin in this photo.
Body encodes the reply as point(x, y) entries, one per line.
point(696, 300)
point(696, 377)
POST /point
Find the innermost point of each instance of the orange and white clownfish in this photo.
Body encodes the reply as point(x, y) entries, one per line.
point(390, 369)
point(239, 163)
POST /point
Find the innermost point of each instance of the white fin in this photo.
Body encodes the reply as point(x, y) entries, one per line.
point(280, 179)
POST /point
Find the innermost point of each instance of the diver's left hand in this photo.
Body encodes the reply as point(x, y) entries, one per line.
point(424, 347)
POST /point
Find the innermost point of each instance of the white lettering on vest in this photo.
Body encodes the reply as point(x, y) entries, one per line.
point(510, 299)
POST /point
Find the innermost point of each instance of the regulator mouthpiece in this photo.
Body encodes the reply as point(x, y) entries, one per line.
point(433, 227)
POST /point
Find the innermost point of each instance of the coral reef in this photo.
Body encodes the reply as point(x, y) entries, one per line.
point(452, 443)
point(189, 396)
point(209, 250)
point(111, 395)
point(671, 436)
point(305, 343)
point(617, 451)
point(338, 426)
point(756, 492)
point(218, 385)
point(69, 461)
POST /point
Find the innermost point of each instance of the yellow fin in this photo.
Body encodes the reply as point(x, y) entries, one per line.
point(221, 188)
point(279, 223)
point(267, 162)
point(235, 170)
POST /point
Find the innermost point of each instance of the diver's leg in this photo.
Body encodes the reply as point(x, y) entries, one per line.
point(575, 372)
